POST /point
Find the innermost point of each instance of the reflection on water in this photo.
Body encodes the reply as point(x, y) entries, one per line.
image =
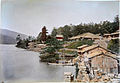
point(22, 65)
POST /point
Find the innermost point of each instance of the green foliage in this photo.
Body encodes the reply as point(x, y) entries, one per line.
point(54, 32)
point(23, 43)
point(74, 45)
point(68, 51)
point(101, 28)
point(49, 58)
point(57, 57)
point(50, 51)
point(53, 42)
point(113, 45)
point(66, 32)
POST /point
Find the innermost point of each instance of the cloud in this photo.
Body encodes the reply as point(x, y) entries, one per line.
point(30, 16)
point(96, 0)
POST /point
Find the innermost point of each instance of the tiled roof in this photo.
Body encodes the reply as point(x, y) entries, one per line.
point(101, 53)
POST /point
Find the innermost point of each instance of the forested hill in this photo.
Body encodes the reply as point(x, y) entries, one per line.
point(97, 28)
point(9, 37)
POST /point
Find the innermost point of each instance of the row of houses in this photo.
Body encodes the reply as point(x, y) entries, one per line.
point(85, 36)
point(91, 36)
point(114, 35)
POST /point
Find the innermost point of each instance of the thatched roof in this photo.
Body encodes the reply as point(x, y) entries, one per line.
point(89, 48)
point(117, 32)
point(83, 46)
point(111, 54)
point(75, 37)
point(98, 53)
point(86, 35)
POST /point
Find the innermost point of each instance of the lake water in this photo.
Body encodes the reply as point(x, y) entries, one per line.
point(21, 65)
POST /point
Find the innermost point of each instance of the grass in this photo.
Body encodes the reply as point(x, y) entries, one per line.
point(76, 44)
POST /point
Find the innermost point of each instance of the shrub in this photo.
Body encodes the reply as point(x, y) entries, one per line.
point(113, 45)
point(49, 57)
point(57, 57)
point(74, 45)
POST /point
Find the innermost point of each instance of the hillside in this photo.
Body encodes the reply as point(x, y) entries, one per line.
point(9, 37)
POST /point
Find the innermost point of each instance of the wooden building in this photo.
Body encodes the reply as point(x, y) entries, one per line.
point(110, 36)
point(86, 36)
point(99, 58)
point(82, 47)
point(59, 37)
point(107, 63)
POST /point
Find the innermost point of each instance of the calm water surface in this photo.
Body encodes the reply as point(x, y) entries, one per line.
point(22, 65)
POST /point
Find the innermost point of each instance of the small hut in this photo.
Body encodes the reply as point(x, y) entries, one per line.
point(59, 37)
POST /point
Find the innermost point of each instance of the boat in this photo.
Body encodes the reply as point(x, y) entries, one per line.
point(60, 64)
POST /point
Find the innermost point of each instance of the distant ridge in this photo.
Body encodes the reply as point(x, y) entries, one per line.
point(9, 37)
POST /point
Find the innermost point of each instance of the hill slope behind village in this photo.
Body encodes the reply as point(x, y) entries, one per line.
point(9, 37)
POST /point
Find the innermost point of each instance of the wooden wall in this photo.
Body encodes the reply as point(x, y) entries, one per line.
point(105, 63)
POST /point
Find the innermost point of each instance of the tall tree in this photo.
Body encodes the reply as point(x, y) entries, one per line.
point(44, 36)
point(116, 23)
point(54, 32)
point(66, 32)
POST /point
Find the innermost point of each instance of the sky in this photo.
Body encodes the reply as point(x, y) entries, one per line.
point(29, 16)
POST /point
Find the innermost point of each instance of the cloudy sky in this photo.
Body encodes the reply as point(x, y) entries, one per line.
point(29, 16)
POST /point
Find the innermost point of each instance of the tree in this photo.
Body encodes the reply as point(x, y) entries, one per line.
point(95, 28)
point(66, 32)
point(54, 32)
point(43, 34)
point(110, 27)
point(18, 38)
point(23, 43)
point(50, 51)
point(113, 45)
point(53, 42)
point(116, 23)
